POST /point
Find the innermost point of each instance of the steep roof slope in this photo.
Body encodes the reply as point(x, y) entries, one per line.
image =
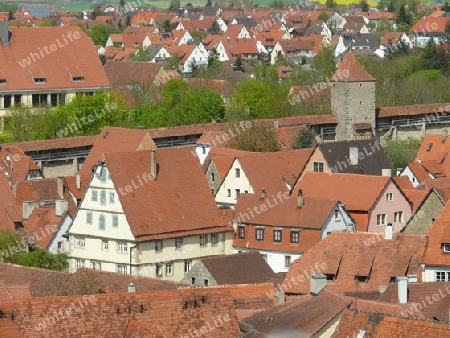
point(350, 70)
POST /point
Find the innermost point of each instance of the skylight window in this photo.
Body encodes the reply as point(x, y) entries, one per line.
point(40, 80)
point(77, 78)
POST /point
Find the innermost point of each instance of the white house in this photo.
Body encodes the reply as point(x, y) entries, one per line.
point(147, 213)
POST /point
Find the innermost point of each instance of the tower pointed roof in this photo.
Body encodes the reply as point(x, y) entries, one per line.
point(350, 70)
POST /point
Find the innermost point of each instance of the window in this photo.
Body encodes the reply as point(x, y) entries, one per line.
point(398, 216)
point(446, 247)
point(81, 263)
point(237, 172)
point(89, 218)
point(122, 247)
point(38, 100)
point(17, 99)
point(158, 269)
point(103, 197)
point(193, 280)
point(287, 261)
point(214, 239)
point(318, 167)
point(60, 246)
point(80, 242)
point(169, 269)
point(277, 236)
point(102, 174)
point(115, 221)
point(381, 219)
point(206, 282)
point(187, 265)
point(203, 240)
point(294, 236)
point(259, 234)
point(440, 276)
point(212, 177)
point(101, 222)
point(337, 215)
point(111, 197)
point(122, 269)
point(96, 265)
point(389, 197)
point(105, 245)
point(178, 243)
point(158, 245)
point(203, 150)
point(237, 192)
point(362, 279)
point(7, 99)
point(94, 195)
point(228, 192)
point(241, 232)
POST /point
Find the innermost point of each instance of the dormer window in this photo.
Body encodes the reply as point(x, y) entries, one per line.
point(40, 80)
point(430, 145)
point(446, 247)
point(77, 78)
point(2, 81)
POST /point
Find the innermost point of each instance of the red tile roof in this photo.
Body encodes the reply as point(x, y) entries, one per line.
point(168, 313)
point(59, 143)
point(391, 38)
point(9, 212)
point(438, 234)
point(118, 140)
point(347, 254)
point(350, 70)
point(14, 292)
point(433, 147)
point(71, 183)
point(413, 110)
point(179, 177)
point(68, 52)
point(430, 24)
point(419, 171)
point(127, 73)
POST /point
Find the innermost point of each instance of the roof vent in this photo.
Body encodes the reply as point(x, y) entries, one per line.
point(105, 135)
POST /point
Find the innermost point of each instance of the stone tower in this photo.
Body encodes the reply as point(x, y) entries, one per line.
point(353, 100)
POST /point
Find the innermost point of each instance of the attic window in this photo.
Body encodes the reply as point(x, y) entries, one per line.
point(446, 247)
point(2, 81)
point(40, 80)
point(430, 145)
point(330, 276)
point(77, 78)
point(362, 279)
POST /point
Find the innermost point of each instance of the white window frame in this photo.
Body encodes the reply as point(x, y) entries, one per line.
point(178, 243)
point(237, 172)
point(228, 192)
point(80, 242)
point(259, 234)
point(287, 261)
point(169, 269)
point(159, 248)
point(214, 239)
point(203, 240)
point(277, 235)
point(105, 245)
point(318, 167)
point(103, 197)
point(115, 221)
point(81, 263)
point(241, 231)
point(446, 247)
point(295, 235)
point(122, 247)
point(96, 265)
point(187, 265)
point(398, 216)
point(123, 269)
point(389, 197)
point(381, 220)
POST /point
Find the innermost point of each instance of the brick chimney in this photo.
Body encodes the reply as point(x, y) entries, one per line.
point(153, 165)
point(60, 186)
point(300, 199)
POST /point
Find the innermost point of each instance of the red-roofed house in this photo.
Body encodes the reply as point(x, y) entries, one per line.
point(148, 213)
point(429, 27)
point(37, 74)
point(373, 201)
point(283, 227)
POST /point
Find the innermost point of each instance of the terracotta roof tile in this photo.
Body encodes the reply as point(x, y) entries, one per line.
point(415, 196)
point(433, 147)
point(430, 24)
point(413, 110)
point(438, 234)
point(75, 56)
point(59, 143)
point(125, 73)
point(240, 268)
point(9, 212)
point(347, 254)
point(179, 177)
point(14, 292)
point(222, 87)
point(350, 70)
point(419, 171)
point(391, 38)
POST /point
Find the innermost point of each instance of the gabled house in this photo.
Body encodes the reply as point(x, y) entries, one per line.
point(429, 27)
point(372, 201)
point(374, 18)
point(10, 215)
point(358, 42)
point(283, 227)
point(147, 213)
point(295, 49)
point(436, 262)
point(391, 41)
point(275, 172)
point(240, 268)
point(357, 262)
point(36, 77)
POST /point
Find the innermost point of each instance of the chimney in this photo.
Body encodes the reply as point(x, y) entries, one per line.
point(300, 199)
point(444, 136)
point(281, 296)
point(78, 181)
point(388, 233)
point(60, 186)
point(61, 207)
point(263, 193)
point(353, 155)
point(131, 287)
point(402, 289)
point(276, 124)
point(4, 32)
point(28, 207)
point(318, 282)
point(153, 166)
point(386, 172)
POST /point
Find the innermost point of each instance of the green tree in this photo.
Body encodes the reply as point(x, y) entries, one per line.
point(43, 259)
point(391, 7)
point(238, 65)
point(430, 56)
point(213, 58)
point(400, 153)
point(446, 7)
point(305, 138)
point(140, 55)
point(330, 3)
point(23, 123)
point(48, 23)
point(264, 72)
point(259, 138)
point(174, 5)
point(208, 3)
point(324, 63)
point(122, 3)
point(10, 16)
point(173, 62)
point(214, 29)
point(99, 33)
point(403, 16)
point(323, 16)
point(165, 26)
point(364, 6)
